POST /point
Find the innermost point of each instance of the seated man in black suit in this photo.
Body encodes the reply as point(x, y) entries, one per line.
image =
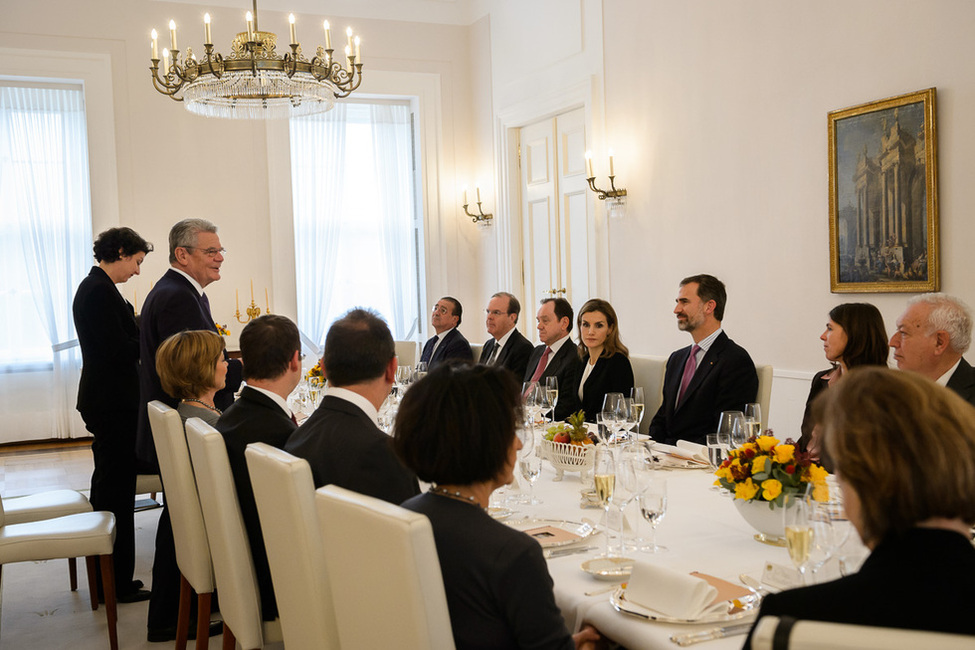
point(448, 343)
point(270, 349)
point(931, 336)
point(507, 347)
point(706, 378)
point(557, 356)
point(342, 440)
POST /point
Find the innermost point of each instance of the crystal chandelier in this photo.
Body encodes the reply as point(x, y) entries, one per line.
point(254, 82)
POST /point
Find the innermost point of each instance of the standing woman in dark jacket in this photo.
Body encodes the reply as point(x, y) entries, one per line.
point(108, 395)
point(606, 361)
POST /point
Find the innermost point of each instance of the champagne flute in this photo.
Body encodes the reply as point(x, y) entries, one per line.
point(798, 531)
point(636, 394)
point(604, 478)
point(753, 419)
point(653, 507)
point(552, 393)
point(531, 467)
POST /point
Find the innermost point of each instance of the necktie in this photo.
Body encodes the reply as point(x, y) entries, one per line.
point(206, 306)
point(294, 419)
point(540, 368)
point(494, 354)
point(689, 369)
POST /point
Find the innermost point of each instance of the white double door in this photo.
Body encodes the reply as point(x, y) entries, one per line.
point(557, 218)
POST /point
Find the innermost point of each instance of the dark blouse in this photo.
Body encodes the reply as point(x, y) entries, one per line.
point(610, 375)
point(499, 591)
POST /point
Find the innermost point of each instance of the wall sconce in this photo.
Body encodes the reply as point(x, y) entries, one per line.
point(482, 220)
point(615, 198)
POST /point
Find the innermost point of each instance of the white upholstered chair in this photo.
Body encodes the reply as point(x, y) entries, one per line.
point(405, 592)
point(476, 350)
point(406, 353)
point(764, 392)
point(648, 372)
point(773, 633)
point(88, 534)
point(233, 566)
point(285, 494)
point(189, 532)
point(47, 505)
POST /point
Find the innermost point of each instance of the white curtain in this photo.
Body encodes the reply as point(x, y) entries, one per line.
point(317, 183)
point(393, 154)
point(46, 202)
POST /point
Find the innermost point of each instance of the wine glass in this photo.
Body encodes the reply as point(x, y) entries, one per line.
point(420, 371)
point(604, 478)
point(732, 423)
point(611, 411)
point(628, 420)
point(403, 376)
point(638, 404)
point(753, 419)
point(653, 507)
point(797, 518)
point(552, 393)
point(527, 438)
point(531, 467)
point(602, 429)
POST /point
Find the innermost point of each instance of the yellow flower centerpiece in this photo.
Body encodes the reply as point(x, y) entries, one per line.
point(761, 473)
point(315, 376)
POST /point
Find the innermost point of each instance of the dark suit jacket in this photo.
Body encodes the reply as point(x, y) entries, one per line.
point(937, 563)
point(344, 447)
point(513, 356)
point(172, 306)
point(610, 375)
point(254, 417)
point(566, 365)
point(454, 346)
point(109, 338)
point(962, 381)
point(724, 381)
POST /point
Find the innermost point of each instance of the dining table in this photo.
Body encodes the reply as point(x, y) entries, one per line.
point(702, 531)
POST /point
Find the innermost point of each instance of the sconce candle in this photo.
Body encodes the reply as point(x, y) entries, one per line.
point(589, 164)
point(611, 163)
point(267, 302)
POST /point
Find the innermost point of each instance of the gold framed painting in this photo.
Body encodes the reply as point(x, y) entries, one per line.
point(883, 196)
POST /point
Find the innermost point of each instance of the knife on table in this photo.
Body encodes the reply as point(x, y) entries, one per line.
point(716, 633)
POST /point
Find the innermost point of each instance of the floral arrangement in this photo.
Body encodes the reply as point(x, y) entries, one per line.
point(221, 329)
point(763, 470)
point(315, 374)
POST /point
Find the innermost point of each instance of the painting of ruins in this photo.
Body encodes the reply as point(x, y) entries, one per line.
point(883, 207)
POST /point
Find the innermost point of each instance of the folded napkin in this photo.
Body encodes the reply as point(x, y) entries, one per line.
point(681, 453)
point(694, 450)
point(673, 594)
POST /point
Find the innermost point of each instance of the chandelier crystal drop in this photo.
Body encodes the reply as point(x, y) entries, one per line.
point(253, 81)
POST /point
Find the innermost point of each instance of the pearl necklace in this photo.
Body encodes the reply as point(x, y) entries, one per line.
point(435, 489)
point(204, 404)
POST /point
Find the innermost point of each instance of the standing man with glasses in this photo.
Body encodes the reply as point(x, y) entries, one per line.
point(176, 303)
point(448, 343)
point(507, 347)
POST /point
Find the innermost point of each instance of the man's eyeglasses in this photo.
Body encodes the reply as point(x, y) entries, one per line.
point(209, 252)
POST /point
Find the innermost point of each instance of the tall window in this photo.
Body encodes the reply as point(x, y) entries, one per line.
point(45, 239)
point(356, 225)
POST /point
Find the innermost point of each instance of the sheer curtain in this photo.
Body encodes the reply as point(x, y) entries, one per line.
point(317, 188)
point(392, 146)
point(44, 195)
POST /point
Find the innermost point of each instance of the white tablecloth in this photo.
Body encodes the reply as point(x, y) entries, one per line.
point(702, 531)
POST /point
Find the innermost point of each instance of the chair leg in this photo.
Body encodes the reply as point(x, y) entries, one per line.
point(90, 565)
point(111, 606)
point(203, 606)
point(183, 618)
point(73, 572)
point(229, 640)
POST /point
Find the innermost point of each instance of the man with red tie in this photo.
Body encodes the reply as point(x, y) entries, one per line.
point(557, 356)
point(710, 376)
point(176, 303)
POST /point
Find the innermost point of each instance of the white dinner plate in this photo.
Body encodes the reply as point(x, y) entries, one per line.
point(749, 609)
point(581, 531)
point(500, 513)
point(609, 568)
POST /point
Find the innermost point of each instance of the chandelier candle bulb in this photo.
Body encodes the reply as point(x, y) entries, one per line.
point(172, 35)
point(348, 46)
point(328, 35)
point(358, 59)
point(207, 39)
point(250, 26)
point(291, 21)
point(165, 61)
point(155, 45)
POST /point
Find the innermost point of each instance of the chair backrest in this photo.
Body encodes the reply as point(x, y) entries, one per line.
point(406, 353)
point(233, 565)
point(764, 392)
point(817, 635)
point(382, 562)
point(476, 350)
point(182, 497)
point(285, 494)
point(648, 372)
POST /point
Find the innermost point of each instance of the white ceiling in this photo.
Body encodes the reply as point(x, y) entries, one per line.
point(450, 12)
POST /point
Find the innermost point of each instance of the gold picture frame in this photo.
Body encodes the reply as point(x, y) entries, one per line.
point(883, 196)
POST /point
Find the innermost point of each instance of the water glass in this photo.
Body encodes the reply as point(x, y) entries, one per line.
point(718, 446)
point(653, 508)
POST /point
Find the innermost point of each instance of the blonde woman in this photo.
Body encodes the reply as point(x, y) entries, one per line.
point(192, 368)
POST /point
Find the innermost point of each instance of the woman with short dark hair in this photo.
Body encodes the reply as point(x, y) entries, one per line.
point(456, 429)
point(903, 448)
point(108, 393)
point(192, 368)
